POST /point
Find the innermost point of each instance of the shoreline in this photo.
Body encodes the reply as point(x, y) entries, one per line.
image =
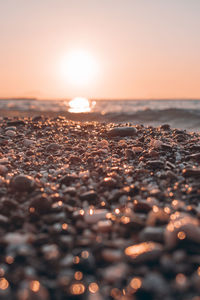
point(176, 118)
point(93, 210)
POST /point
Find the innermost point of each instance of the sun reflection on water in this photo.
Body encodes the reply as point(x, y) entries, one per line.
point(80, 105)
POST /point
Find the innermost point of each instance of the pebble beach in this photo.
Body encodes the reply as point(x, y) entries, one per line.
point(98, 211)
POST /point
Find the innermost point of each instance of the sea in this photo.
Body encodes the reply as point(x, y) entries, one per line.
point(183, 114)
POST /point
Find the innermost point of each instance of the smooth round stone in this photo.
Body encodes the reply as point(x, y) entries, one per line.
point(22, 183)
point(53, 147)
point(155, 284)
point(28, 143)
point(10, 133)
point(115, 272)
point(41, 204)
point(144, 252)
point(181, 227)
point(89, 196)
point(112, 255)
point(104, 226)
point(155, 234)
point(122, 131)
point(92, 217)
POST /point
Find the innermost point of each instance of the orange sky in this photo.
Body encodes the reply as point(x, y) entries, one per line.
point(144, 48)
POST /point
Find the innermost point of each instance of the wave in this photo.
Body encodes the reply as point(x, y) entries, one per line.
point(175, 117)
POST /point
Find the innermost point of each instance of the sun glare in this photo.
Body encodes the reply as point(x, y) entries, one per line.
point(79, 68)
point(79, 104)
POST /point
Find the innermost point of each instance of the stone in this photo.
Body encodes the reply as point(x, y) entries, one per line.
point(94, 216)
point(191, 172)
point(112, 255)
point(122, 131)
point(89, 196)
point(22, 183)
point(155, 234)
point(41, 204)
point(53, 147)
point(10, 133)
point(144, 252)
point(182, 226)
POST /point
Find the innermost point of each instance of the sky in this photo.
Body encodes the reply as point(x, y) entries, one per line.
point(139, 49)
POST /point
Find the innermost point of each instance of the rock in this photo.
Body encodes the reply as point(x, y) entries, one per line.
point(142, 206)
point(122, 131)
point(53, 147)
point(10, 133)
point(155, 284)
point(157, 216)
point(68, 178)
point(93, 216)
point(165, 127)
point(109, 182)
point(155, 164)
point(104, 226)
point(28, 142)
point(40, 204)
point(155, 234)
point(144, 252)
point(191, 172)
point(89, 196)
point(115, 272)
point(22, 183)
point(15, 123)
point(112, 255)
point(181, 226)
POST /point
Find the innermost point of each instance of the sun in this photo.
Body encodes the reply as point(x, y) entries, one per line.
point(79, 68)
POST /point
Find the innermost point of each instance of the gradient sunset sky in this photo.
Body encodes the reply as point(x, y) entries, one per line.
point(143, 48)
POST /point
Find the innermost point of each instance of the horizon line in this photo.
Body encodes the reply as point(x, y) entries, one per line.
point(100, 99)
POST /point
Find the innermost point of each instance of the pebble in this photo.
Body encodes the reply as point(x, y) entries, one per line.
point(112, 255)
point(155, 234)
point(155, 284)
point(41, 204)
point(10, 133)
point(53, 147)
point(22, 183)
point(104, 226)
point(155, 164)
point(89, 196)
point(144, 252)
point(191, 172)
point(93, 216)
point(182, 226)
point(122, 131)
point(116, 272)
point(28, 142)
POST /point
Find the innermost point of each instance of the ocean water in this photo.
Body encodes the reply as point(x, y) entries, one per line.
point(183, 114)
